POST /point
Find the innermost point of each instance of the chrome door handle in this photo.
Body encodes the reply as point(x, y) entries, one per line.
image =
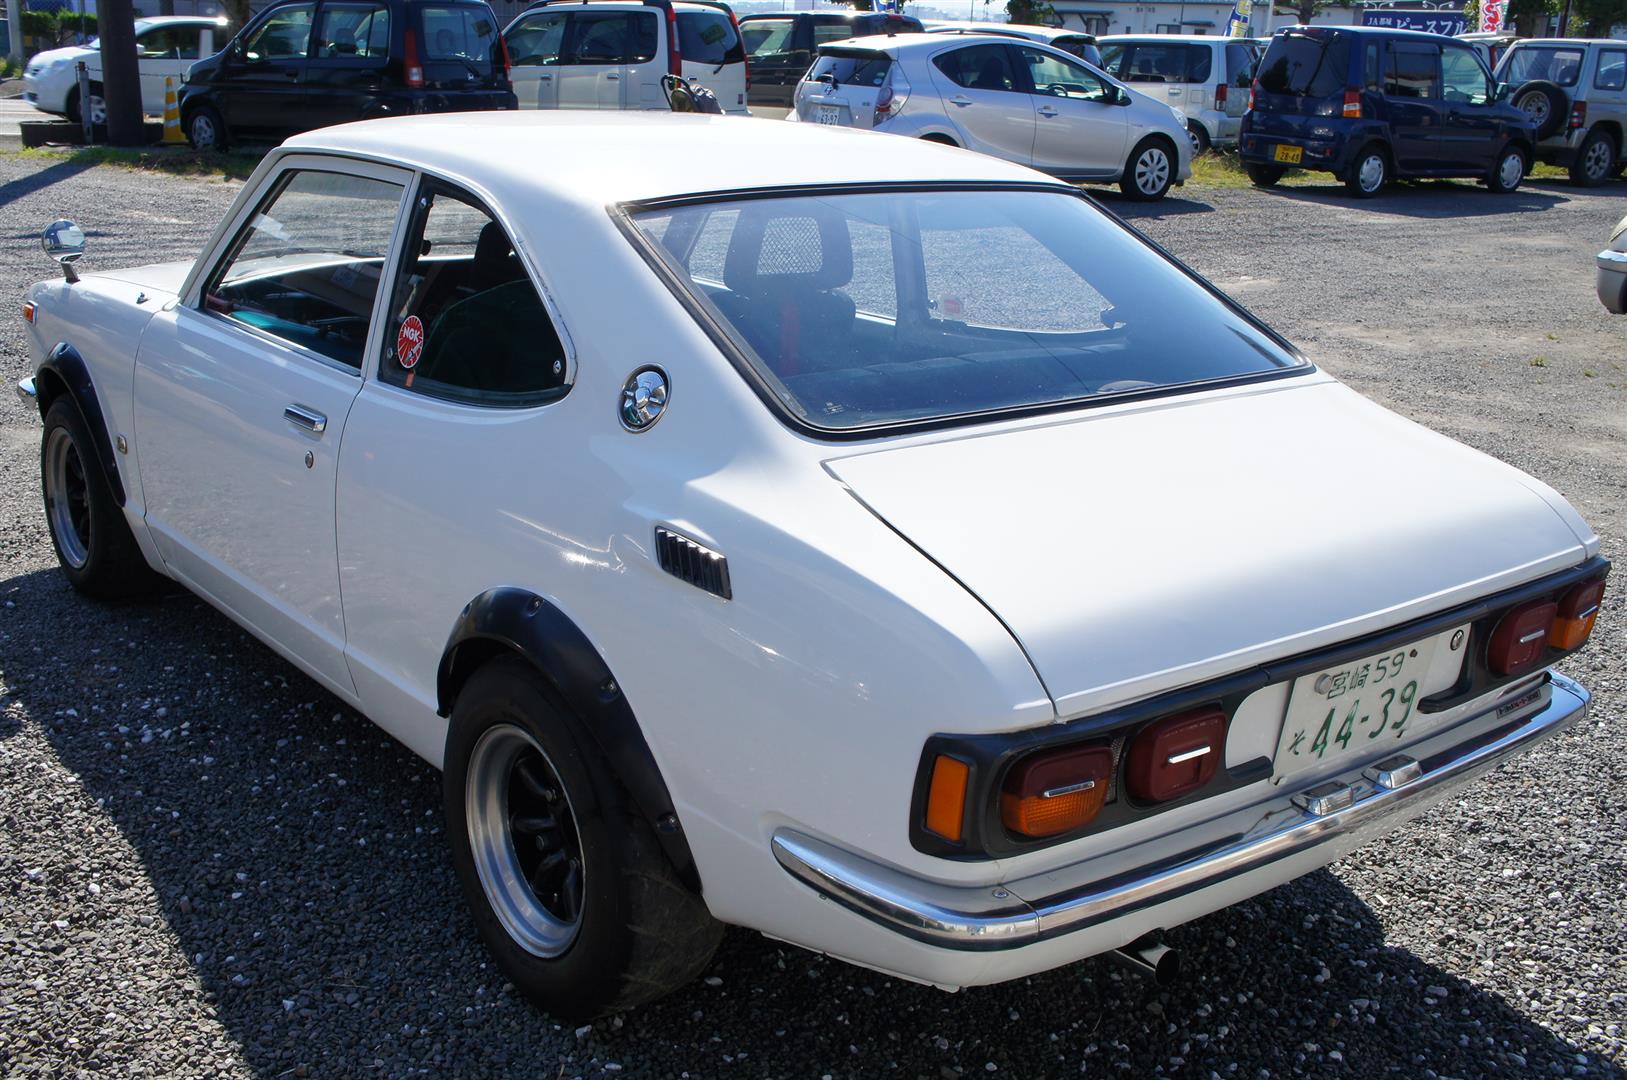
point(309, 419)
point(960, 99)
point(1174, 91)
point(611, 76)
point(1048, 111)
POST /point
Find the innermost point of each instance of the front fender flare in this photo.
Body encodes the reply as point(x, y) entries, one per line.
point(511, 620)
point(65, 371)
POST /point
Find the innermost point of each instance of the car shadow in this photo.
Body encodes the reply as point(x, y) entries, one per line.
point(296, 858)
point(12, 190)
point(1423, 198)
point(1171, 205)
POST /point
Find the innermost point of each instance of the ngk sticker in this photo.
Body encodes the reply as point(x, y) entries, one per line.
point(409, 342)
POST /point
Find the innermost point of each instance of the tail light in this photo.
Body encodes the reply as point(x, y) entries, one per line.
point(415, 70)
point(1054, 792)
point(508, 65)
point(1578, 115)
point(1220, 97)
point(675, 56)
point(946, 797)
point(745, 59)
point(1352, 102)
point(1177, 755)
point(1520, 640)
point(1253, 93)
point(890, 102)
point(1578, 608)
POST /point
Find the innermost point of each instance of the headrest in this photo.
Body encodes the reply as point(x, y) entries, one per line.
point(492, 247)
point(802, 245)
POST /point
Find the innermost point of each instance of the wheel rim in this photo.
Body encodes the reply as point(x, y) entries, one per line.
point(523, 834)
point(203, 130)
point(1512, 169)
point(1536, 107)
point(1197, 141)
point(98, 109)
point(67, 498)
point(1152, 171)
point(1371, 174)
point(1597, 161)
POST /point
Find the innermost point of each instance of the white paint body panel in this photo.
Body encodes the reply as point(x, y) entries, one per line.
point(1190, 535)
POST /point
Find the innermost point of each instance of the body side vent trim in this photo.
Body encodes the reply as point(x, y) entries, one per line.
point(693, 562)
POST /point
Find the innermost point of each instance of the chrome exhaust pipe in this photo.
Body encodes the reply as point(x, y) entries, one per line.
point(1151, 957)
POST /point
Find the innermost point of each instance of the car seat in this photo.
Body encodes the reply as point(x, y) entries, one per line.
point(991, 75)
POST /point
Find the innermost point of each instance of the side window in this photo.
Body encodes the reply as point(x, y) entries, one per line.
point(767, 36)
point(1240, 64)
point(978, 67)
point(1056, 77)
point(1463, 80)
point(603, 37)
point(828, 30)
point(307, 266)
point(353, 32)
point(169, 43)
point(1612, 73)
point(466, 323)
point(1373, 68)
point(1412, 72)
point(285, 35)
point(537, 40)
point(1200, 61)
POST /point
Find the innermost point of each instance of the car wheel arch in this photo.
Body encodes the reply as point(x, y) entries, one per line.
point(517, 622)
point(65, 372)
point(940, 138)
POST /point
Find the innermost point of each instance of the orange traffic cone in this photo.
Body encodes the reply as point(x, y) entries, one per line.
point(172, 115)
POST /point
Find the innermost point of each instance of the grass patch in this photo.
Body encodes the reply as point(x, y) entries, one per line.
point(1225, 170)
point(1538, 361)
point(174, 161)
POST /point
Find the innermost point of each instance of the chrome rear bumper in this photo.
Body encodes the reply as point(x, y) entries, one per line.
point(1004, 917)
point(27, 392)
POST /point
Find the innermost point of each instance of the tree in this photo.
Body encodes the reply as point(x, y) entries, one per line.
point(1529, 18)
point(1031, 13)
point(1597, 17)
point(1305, 10)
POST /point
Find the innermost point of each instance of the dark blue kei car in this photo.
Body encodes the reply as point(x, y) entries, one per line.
point(1369, 105)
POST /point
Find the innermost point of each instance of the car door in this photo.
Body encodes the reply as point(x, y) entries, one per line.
point(596, 55)
point(1078, 131)
point(777, 59)
point(345, 71)
point(241, 394)
point(261, 79)
point(536, 44)
point(986, 102)
point(164, 52)
point(1471, 132)
point(646, 63)
point(1412, 99)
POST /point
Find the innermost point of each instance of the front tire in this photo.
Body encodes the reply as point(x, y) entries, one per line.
point(1369, 172)
point(1150, 170)
point(565, 879)
point(1507, 171)
point(1594, 161)
point(94, 546)
point(205, 129)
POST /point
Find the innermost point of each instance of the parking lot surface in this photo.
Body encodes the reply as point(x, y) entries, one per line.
point(208, 866)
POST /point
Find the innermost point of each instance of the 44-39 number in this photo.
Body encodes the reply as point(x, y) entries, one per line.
point(1395, 710)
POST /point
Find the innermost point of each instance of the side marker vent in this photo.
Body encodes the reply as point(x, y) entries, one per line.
point(695, 563)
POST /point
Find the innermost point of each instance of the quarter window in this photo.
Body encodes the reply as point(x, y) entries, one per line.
point(353, 32)
point(285, 35)
point(307, 267)
point(1612, 73)
point(979, 67)
point(466, 322)
point(605, 37)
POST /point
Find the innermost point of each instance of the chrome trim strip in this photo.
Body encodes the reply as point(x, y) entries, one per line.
point(994, 917)
point(1612, 260)
point(27, 392)
point(1068, 789)
point(1190, 755)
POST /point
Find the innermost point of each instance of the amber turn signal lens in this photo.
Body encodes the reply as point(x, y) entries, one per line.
point(946, 797)
point(28, 311)
point(1577, 611)
point(1057, 791)
point(1176, 755)
point(1521, 638)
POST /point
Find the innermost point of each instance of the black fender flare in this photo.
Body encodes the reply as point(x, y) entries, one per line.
point(65, 372)
point(511, 620)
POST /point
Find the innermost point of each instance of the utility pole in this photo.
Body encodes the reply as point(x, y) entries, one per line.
point(14, 26)
point(121, 80)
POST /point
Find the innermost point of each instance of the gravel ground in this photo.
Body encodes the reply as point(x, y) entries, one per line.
point(208, 866)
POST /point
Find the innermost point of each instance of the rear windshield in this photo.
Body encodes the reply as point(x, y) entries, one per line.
point(1162, 62)
point(708, 37)
point(1303, 65)
point(1527, 62)
point(884, 24)
point(887, 307)
point(462, 32)
point(850, 67)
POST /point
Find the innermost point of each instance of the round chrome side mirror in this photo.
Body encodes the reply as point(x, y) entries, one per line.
point(65, 242)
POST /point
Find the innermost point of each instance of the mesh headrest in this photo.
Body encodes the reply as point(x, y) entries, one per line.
point(804, 246)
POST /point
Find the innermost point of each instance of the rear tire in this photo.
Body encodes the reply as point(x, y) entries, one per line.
point(1264, 175)
point(94, 546)
point(565, 879)
point(1369, 172)
point(1508, 170)
point(1199, 136)
point(1594, 160)
point(1150, 170)
point(205, 129)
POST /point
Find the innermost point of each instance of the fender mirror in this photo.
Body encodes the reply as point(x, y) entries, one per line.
point(65, 242)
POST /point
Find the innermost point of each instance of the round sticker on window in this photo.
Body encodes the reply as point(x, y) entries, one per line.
point(409, 342)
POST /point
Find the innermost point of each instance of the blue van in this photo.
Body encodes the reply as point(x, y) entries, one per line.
point(1370, 104)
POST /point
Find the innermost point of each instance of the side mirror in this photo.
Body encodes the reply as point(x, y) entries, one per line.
point(65, 242)
point(1501, 92)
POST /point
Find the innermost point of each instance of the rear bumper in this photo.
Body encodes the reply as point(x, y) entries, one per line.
point(1300, 832)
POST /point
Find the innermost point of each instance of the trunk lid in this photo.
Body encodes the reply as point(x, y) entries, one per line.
point(1135, 551)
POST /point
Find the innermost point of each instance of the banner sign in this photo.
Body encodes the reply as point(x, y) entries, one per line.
point(1237, 22)
point(1450, 23)
point(1491, 15)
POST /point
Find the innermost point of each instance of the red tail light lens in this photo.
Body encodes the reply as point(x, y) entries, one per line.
point(1578, 115)
point(1220, 96)
point(1253, 91)
point(1352, 102)
point(1521, 638)
point(1177, 755)
point(675, 58)
point(745, 59)
point(1578, 609)
point(415, 70)
point(1054, 792)
point(508, 65)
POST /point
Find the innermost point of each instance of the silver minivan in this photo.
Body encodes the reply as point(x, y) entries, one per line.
point(611, 54)
point(1206, 79)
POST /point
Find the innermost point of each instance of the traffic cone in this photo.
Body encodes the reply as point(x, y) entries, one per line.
point(172, 115)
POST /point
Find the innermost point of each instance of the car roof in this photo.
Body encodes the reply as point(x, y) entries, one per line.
point(913, 41)
point(1184, 39)
point(1615, 42)
point(182, 20)
point(596, 158)
point(848, 16)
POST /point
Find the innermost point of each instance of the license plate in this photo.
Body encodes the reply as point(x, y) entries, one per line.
point(1289, 155)
point(829, 114)
point(1361, 707)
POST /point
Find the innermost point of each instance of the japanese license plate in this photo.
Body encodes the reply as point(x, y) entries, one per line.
point(829, 114)
point(1289, 155)
point(1362, 707)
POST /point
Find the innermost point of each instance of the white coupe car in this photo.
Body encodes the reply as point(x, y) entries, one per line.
point(914, 563)
point(166, 47)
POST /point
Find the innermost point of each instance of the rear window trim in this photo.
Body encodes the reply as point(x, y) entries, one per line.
point(622, 215)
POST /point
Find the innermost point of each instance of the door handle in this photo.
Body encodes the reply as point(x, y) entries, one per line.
point(960, 99)
point(308, 419)
point(612, 76)
point(1048, 110)
point(545, 78)
point(1174, 91)
point(291, 74)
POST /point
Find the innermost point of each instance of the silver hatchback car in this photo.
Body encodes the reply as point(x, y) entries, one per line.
point(1019, 100)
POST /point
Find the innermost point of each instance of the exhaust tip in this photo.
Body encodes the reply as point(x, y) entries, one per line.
point(1152, 958)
